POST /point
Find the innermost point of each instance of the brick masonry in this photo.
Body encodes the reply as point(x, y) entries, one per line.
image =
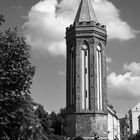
point(86, 122)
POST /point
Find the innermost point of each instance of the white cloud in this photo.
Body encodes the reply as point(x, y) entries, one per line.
point(47, 20)
point(109, 15)
point(44, 29)
point(133, 67)
point(128, 83)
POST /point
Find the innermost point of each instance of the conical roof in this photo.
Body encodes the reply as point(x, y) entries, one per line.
point(85, 12)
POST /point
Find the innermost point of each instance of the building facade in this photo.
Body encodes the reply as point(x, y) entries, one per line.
point(86, 96)
point(113, 125)
point(133, 118)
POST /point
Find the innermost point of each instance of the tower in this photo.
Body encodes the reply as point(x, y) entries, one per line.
point(86, 96)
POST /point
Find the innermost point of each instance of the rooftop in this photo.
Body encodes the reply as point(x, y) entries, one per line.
point(85, 12)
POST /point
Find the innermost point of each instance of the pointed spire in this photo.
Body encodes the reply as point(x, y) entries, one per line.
point(85, 12)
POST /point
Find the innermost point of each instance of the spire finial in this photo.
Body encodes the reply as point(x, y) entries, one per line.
point(85, 12)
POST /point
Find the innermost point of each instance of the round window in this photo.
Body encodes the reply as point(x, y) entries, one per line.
point(99, 48)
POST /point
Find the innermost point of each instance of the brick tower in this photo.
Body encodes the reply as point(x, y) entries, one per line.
point(86, 97)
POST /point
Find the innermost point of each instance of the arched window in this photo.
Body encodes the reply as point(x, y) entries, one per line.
point(85, 76)
point(99, 76)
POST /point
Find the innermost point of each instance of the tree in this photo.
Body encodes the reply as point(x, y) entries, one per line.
point(1, 19)
point(58, 121)
point(17, 118)
point(44, 119)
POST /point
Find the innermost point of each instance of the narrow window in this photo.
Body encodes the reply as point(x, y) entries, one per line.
point(99, 77)
point(72, 76)
point(85, 77)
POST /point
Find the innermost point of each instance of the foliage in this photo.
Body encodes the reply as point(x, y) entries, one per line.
point(135, 136)
point(58, 122)
point(44, 119)
point(78, 138)
point(17, 118)
point(1, 19)
point(56, 137)
point(53, 124)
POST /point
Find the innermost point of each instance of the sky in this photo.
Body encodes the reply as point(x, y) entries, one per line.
point(43, 23)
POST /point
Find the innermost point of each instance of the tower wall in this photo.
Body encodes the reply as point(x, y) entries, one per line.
point(91, 121)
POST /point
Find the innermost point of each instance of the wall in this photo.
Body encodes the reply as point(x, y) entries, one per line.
point(110, 127)
point(133, 117)
point(135, 121)
point(113, 125)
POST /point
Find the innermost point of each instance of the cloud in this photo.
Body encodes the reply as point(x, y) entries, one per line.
point(109, 15)
point(47, 20)
point(44, 29)
point(126, 85)
point(133, 67)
